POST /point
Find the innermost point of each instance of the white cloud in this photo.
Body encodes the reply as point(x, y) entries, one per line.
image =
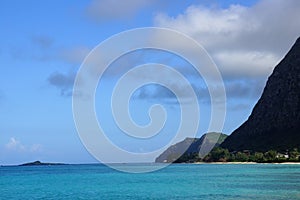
point(35, 148)
point(247, 63)
point(16, 145)
point(246, 41)
point(74, 55)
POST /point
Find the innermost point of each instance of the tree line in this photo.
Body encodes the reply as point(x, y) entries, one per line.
point(219, 154)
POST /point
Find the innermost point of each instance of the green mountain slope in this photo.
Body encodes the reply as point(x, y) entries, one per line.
point(191, 148)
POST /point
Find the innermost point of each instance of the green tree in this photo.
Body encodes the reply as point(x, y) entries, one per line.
point(294, 154)
point(270, 155)
point(241, 157)
point(218, 154)
point(259, 157)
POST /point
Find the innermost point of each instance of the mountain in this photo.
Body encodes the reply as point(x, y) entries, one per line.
point(192, 146)
point(275, 120)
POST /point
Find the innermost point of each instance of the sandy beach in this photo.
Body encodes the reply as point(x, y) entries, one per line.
point(247, 163)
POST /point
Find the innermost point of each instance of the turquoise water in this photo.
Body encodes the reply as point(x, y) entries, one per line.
point(178, 181)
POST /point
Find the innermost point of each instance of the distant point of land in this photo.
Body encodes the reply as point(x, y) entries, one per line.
point(39, 163)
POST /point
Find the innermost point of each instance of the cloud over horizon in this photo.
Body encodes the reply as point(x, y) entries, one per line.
point(16, 145)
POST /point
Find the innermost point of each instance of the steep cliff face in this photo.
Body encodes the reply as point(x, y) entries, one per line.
point(275, 120)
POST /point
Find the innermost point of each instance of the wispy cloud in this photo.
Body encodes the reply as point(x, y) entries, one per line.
point(101, 10)
point(244, 88)
point(156, 92)
point(16, 145)
point(62, 81)
point(239, 107)
point(44, 48)
point(42, 41)
point(74, 55)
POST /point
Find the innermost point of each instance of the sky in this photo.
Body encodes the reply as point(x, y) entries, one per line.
point(44, 43)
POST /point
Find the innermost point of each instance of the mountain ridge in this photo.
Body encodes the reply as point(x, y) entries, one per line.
point(191, 148)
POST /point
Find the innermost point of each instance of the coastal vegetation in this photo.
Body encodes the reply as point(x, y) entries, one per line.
point(219, 154)
point(223, 155)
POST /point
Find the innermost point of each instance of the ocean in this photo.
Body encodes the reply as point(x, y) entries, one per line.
point(177, 181)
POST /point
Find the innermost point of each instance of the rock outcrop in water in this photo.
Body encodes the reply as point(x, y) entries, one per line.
point(38, 163)
point(275, 120)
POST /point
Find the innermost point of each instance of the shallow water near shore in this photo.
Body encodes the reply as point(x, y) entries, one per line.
point(177, 181)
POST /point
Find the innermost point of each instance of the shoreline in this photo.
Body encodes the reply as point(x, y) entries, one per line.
point(246, 163)
point(151, 163)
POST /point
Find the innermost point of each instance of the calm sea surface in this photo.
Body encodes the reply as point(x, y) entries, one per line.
point(178, 181)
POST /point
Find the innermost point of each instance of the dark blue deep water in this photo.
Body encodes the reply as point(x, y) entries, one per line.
point(177, 181)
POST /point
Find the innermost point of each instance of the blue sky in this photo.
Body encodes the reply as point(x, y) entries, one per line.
point(43, 44)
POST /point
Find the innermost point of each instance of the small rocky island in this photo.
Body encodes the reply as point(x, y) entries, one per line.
point(39, 163)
